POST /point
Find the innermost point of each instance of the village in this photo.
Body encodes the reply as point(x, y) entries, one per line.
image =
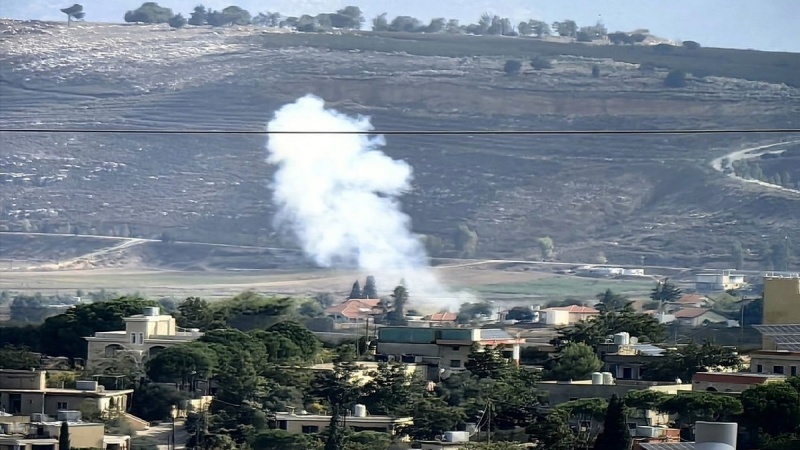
point(568, 363)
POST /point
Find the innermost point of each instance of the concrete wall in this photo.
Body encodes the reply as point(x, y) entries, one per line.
point(23, 379)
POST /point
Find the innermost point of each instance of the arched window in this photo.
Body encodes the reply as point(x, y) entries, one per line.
point(112, 350)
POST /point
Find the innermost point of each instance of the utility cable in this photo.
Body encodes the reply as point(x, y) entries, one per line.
point(408, 132)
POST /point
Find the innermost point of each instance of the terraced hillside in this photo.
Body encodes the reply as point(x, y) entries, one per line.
point(625, 196)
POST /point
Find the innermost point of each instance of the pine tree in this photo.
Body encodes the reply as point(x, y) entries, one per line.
point(356, 291)
point(615, 434)
point(370, 288)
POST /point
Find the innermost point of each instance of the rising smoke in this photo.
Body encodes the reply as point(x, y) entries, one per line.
point(337, 193)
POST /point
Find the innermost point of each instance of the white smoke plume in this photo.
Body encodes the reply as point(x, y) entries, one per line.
point(337, 193)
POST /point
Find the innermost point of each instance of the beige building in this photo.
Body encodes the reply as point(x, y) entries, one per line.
point(732, 382)
point(28, 435)
point(781, 307)
point(144, 335)
point(358, 421)
point(567, 315)
point(443, 350)
point(775, 362)
point(24, 392)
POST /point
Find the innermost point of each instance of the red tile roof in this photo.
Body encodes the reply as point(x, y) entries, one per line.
point(692, 299)
point(354, 308)
point(444, 316)
point(690, 313)
point(574, 309)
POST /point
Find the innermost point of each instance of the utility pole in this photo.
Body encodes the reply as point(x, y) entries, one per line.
point(489, 423)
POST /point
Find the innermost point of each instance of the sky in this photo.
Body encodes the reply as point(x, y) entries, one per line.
point(771, 25)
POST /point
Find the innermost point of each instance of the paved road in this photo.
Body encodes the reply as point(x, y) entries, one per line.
point(163, 433)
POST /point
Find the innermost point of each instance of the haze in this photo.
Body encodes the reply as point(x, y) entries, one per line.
point(764, 25)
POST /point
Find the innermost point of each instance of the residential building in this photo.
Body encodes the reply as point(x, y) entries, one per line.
point(781, 307)
point(718, 281)
point(626, 361)
point(559, 392)
point(567, 315)
point(443, 319)
point(731, 381)
point(359, 420)
point(24, 392)
point(354, 310)
point(43, 435)
point(695, 317)
point(692, 301)
point(443, 349)
point(775, 362)
point(144, 335)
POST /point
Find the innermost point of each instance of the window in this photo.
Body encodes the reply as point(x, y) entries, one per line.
point(759, 368)
point(61, 405)
point(141, 338)
point(133, 338)
point(627, 373)
point(777, 370)
point(456, 348)
point(282, 424)
point(793, 371)
point(455, 363)
point(310, 429)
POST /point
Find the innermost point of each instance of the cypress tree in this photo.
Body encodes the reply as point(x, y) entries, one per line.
point(615, 434)
point(63, 437)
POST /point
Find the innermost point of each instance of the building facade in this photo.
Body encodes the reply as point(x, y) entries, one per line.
point(775, 362)
point(24, 392)
point(144, 335)
point(731, 382)
point(781, 305)
point(445, 349)
point(44, 436)
point(359, 420)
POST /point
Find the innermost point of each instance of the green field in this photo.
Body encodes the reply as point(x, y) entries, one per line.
point(564, 287)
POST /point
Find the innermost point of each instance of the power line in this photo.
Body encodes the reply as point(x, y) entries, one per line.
point(410, 132)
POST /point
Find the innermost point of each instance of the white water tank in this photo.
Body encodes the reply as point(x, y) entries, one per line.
point(608, 378)
point(360, 411)
point(151, 311)
point(456, 436)
point(623, 338)
point(650, 432)
point(715, 436)
point(597, 378)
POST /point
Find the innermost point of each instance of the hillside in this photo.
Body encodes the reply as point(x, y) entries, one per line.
point(625, 196)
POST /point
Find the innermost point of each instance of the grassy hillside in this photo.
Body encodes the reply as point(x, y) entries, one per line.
point(621, 197)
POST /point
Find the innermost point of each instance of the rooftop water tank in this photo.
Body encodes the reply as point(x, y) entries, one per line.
point(623, 338)
point(150, 311)
point(359, 411)
point(597, 378)
point(608, 378)
point(456, 436)
point(713, 435)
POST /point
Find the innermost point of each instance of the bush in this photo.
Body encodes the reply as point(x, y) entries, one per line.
point(675, 79)
point(541, 63)
point(691, 45)
point(177, 21)
point(149, 12)
point(512, 67)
